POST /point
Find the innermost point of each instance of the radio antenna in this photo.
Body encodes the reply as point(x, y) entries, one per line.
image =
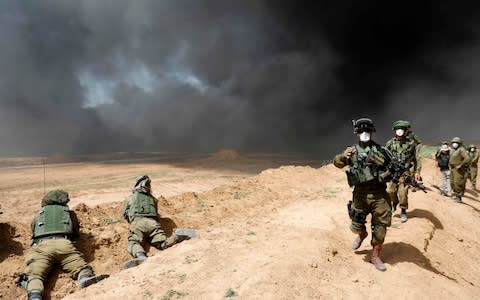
point(43, 176)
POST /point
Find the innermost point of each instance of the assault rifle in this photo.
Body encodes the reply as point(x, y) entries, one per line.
point(395, 169)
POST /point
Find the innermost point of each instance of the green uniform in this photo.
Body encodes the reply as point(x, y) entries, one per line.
point(140, 210)
point(459, 162)
point(473, 167)
point(369, 193)
point(406, 150)
point(53, 228)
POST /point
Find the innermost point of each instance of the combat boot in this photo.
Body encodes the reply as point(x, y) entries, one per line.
point(87, 280)
point(184, 234)
point(403, 215)
point(35, 295)
point(457, 199)
point(375, 260)
point(357, 242)
point(138, 259)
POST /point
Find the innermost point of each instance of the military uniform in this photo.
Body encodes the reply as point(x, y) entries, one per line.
point(369, 192)
point(54, 227)
point(473, 166)
point(140, 210)
point(459, 162)
point(405, 149)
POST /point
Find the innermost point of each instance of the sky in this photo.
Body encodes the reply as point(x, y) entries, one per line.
point(90, 76)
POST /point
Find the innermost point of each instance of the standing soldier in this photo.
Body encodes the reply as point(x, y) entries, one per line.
point(54, 228)
point(369, 193)
point(443, 156)
point(473, 167)
point(405, 149)
point(459, 162)
point(140, 210)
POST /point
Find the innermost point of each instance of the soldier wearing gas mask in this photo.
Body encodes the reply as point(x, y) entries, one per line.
point(369, 189)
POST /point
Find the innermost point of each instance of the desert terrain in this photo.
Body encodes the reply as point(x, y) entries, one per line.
point(270, 227)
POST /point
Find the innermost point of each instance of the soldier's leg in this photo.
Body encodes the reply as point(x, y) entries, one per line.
point(454, 182)
point(381, 219)
point(159, 239)
point(403, 195)
point(71, 261)
point(473, 176)
point(358, 212)
point(392, 190)
point(447, 182)
point(39, 263)
point(462, 181)
point(136, 237)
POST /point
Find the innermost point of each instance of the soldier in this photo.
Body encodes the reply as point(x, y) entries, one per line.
point(405, 148)
point(443, 156)
point(140, 210)
point(459, 162)
point(369, 193)
point(54, 227)
point(473, 167)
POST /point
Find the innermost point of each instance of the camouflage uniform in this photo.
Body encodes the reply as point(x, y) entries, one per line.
point(54, 227)
point(459, 162)
point(140, 210)
point(369, 197)
point(406, 149)
point(473, 166)
point(369, 191)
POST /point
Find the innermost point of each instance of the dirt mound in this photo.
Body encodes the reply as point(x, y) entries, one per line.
point(225, 155)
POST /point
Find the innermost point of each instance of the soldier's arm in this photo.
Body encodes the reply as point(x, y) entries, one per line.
point(126, 207)
point(343, 159)
point(75, 225)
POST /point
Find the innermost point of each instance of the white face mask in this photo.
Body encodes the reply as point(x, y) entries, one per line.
point(365, 136)
point(455, 145)
point(399, 132)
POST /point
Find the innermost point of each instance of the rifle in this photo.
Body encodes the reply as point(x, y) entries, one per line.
point(395, 169)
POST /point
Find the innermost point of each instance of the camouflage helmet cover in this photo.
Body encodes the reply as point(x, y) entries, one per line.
point(142, 184)
point(55, 197)
point(472, 146)
point(400, 124)
point(363, 124)
point(457, 140)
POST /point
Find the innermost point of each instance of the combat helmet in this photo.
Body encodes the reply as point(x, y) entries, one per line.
point(400, 124)
point(55, 197)
point(457, 140)
point(363, 124)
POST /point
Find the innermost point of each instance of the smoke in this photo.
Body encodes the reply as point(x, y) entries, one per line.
point(97, 76)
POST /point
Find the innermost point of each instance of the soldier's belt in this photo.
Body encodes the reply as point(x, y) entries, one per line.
point(51, 237)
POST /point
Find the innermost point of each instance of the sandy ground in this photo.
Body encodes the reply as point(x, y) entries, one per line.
point(280, 233)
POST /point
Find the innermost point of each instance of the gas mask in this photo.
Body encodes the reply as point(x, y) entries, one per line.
point(455, 145)
point(400, 132)
point(364, 136)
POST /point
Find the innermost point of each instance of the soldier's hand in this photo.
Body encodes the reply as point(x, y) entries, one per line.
point(418, 177)
point(349, 152)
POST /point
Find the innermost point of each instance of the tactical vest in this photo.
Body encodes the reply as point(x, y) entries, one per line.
point(442, 160)
point(360, 170)
point(403, 150)
point(142, 205)
point(52, 220)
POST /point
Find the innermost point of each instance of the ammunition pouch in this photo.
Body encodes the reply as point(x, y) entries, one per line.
point(356, 215)
point(359, 175)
